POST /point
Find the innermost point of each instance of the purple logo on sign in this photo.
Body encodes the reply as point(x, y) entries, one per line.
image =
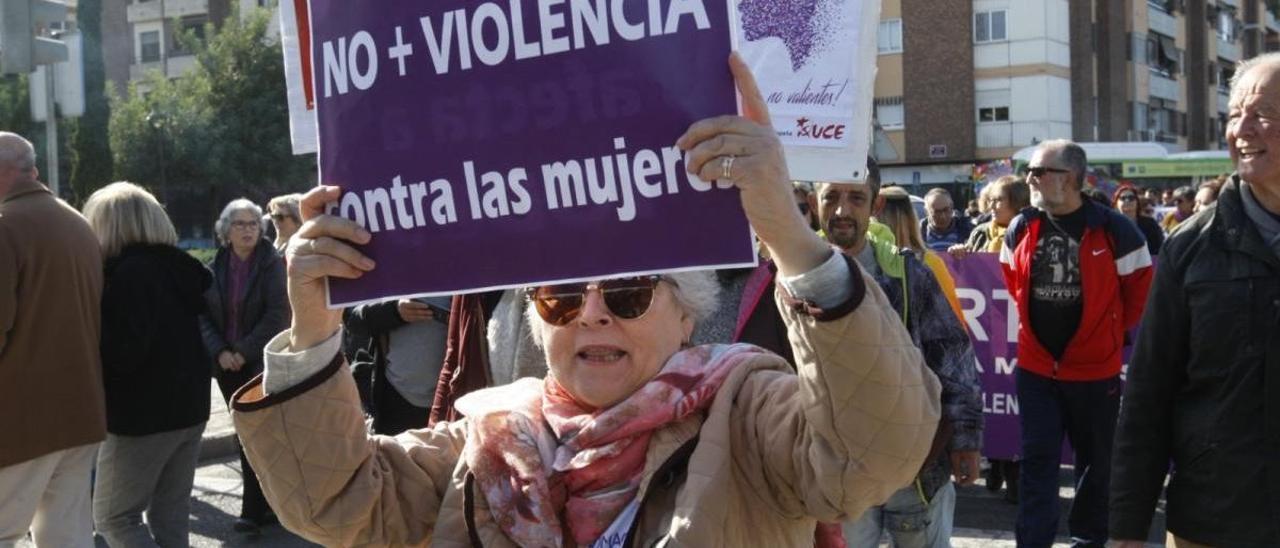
point(499, 144)
point(795, 22)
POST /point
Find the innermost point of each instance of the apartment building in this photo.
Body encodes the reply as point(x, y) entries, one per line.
point(963, 82)
point(140, 36)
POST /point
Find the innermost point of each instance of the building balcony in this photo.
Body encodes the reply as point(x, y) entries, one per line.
point(151, 10)
point(1161, 21)
point(1228, 50)
point(1152, 136)
point(178, 66)
point(995, 135)
point(1164, 88)
point(143, 11)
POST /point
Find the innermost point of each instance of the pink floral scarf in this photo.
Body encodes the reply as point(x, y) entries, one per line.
point(540, 457)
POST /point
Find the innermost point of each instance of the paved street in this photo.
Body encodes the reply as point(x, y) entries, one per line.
point(983, 519)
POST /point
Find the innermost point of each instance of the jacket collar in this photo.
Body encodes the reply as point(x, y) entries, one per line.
point(22, 188)
point(1232, 229)
point(1094, 216)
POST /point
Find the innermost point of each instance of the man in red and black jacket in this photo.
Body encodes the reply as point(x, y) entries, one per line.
point(1079, 273)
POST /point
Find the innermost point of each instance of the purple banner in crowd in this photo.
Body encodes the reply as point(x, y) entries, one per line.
point(992, 319)
point(500, 144)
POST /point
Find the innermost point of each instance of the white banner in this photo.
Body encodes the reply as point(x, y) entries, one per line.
point(816, 64)
point(295, 40)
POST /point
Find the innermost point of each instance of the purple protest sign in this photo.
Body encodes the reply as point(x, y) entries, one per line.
point(499, 144)
point(992, 319)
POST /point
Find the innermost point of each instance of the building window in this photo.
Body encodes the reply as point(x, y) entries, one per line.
point(993, 114)
point(890, 114)
point(149, 42)
point(1226, 71)
point(1162, 55)
point(1163, 123)
point(1162, 5)
point(989, 26)
point(1226, 24)
point(889, 40)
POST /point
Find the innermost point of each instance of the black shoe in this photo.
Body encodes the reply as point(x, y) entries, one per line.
point(995, 477)
point(1011, 490)
point(247, 527)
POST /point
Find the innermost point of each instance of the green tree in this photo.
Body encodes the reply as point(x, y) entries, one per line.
point(219, 132)
point(15, 116)
point(91, 165)
point(15, 110)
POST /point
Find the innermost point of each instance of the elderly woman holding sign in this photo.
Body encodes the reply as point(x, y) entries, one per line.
point(634, 436)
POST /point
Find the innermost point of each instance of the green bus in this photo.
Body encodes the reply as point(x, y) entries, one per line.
point(1147, 164)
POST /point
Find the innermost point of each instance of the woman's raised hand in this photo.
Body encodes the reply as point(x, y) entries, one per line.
point(319, 250)
point(746, 151)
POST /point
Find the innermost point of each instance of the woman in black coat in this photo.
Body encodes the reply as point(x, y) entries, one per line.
point(155, 373)
point(1128, 202)
point(247, 306)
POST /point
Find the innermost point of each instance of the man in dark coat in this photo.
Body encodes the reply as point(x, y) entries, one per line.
point(1203, 388)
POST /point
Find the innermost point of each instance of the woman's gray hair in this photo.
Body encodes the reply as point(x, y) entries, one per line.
point(697, 292)
point(223, 227)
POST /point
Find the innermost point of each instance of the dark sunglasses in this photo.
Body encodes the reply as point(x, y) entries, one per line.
point(279, 217)
point(1039, 171)
point(1127, 198)
point(626, 298)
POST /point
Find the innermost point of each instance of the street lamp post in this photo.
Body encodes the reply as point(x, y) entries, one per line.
point(158, 121)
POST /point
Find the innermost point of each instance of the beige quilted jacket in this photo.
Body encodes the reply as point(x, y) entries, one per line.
point(776, 451)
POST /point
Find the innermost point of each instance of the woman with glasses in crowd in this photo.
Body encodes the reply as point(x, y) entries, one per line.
point(247, 305)
point(1007, 196)
point(634, 436)
point(283, 212)
point(1129, 203)
point(154, 371)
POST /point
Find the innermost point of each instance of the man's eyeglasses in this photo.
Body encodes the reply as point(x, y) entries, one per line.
point(244, 225)
point(278, 217)
point(1127, 198)
point(626, 298)
point(1040, 171)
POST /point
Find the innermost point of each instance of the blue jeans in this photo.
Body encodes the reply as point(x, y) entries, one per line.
point(1086, 413)
point(910, 522)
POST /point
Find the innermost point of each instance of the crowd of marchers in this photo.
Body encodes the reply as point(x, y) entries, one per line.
point(827, 397)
